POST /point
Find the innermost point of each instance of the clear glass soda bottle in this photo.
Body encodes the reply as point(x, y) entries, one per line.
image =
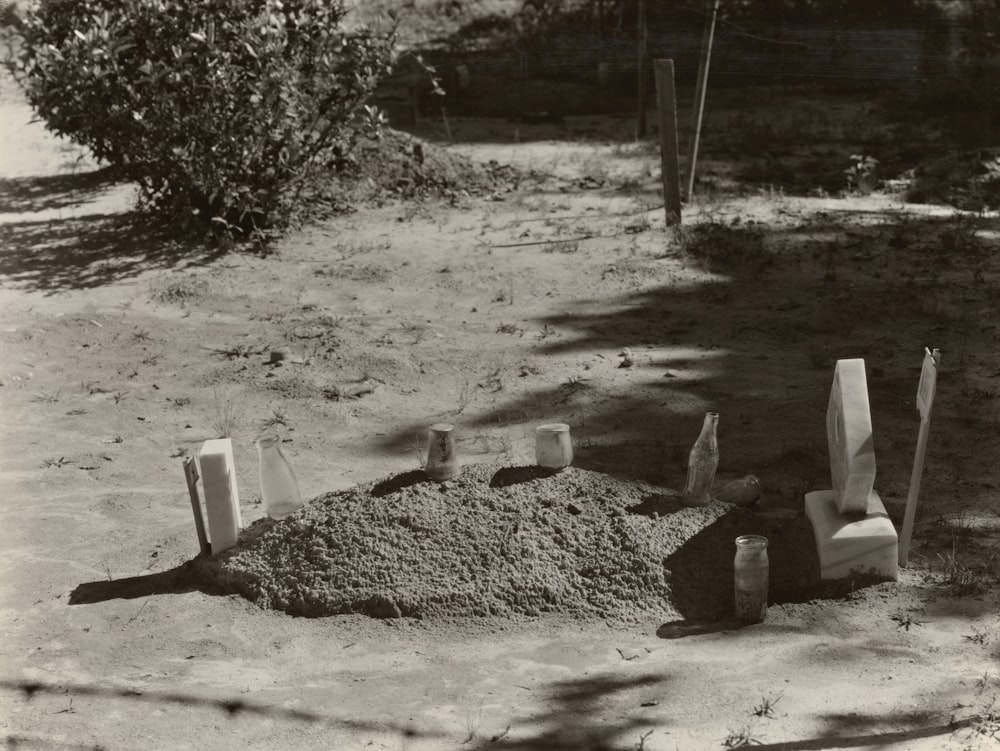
point(751, 572)
point(703, 461)
point(279, 490)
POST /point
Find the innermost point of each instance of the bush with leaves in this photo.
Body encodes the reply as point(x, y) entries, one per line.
point(222, 111)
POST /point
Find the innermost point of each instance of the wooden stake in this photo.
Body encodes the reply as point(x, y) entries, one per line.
point(925, 399)
point(699, 98)
point(666, 103)
point(191, 475)
point(447, 126)
point(640, 64)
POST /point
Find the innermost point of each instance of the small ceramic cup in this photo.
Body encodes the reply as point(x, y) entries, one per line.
point(553, 445)
point(442, 461)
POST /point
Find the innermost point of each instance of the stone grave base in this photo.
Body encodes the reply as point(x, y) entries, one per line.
point(849, 544)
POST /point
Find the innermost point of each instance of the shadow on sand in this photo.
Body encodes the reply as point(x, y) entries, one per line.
point(82, 251)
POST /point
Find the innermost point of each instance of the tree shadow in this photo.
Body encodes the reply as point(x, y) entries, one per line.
point(867, 730)
point(701, 570)
point(51, 192)
point(570, 721)
point(53, 256)
point(229, 708)
point(753, 333)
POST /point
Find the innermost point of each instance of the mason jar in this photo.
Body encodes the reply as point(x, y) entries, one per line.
point(750, 578)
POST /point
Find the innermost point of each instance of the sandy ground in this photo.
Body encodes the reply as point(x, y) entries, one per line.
point(121, 353)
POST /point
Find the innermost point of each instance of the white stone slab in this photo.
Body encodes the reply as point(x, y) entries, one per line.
point(864, 544)
point(222, 500)
point(849, 437)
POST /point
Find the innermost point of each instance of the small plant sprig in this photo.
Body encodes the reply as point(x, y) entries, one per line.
point(741, 738)
point(978, 637)
point(766, 707)
point(905, 620)
point(861, 174)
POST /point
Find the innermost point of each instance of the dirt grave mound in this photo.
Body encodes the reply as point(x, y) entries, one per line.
point(508, 541)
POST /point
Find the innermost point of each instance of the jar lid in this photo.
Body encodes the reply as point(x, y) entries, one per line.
point(751, 541)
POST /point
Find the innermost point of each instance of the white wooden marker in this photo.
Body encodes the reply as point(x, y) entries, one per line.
point(222, 500)
point(925, 399)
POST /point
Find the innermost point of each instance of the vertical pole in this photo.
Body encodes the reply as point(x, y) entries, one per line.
point(699, 97)
point(191, 475)
point(925, 399)
point(640, 65)
point(666, 103)
point(600, 31)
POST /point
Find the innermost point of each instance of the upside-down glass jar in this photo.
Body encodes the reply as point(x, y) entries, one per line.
point(553, 445)
point(442, 461)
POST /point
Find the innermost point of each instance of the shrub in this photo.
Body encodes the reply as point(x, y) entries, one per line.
point(222, 111)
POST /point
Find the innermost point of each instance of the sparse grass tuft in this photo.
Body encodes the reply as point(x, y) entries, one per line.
point(978, 637)
point(964, 580)
point(732, 245)
point(237, 351)
point(180, 291)
point(640, 745)
point(741, 738)
point(277, 417)
point(766, 707)
point(226, 412)
point(510, 328)
point(906, 620)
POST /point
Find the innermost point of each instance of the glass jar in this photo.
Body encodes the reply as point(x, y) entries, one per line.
point(750, 578)
point(279, 490)
point(553, 445)
point(442, 461)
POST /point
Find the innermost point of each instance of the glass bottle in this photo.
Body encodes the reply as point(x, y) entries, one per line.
point(750, 578)
point(442, 461)
point(279, 490)
point(553, 445)
point(702, 463)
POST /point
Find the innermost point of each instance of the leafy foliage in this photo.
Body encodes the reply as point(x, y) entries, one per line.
point(221, 110)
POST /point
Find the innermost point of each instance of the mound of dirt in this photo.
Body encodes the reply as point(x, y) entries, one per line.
point(403, 166)
point(503, 541)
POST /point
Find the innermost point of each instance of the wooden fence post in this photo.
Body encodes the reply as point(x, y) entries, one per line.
point(666, 103)
point(699, 98)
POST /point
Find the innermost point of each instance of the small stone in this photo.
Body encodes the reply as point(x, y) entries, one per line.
point(280, 355)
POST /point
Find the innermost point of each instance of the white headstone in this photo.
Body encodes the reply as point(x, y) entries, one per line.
point(849, 436)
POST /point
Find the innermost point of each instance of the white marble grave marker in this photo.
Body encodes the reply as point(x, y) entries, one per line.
point(849, 436)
